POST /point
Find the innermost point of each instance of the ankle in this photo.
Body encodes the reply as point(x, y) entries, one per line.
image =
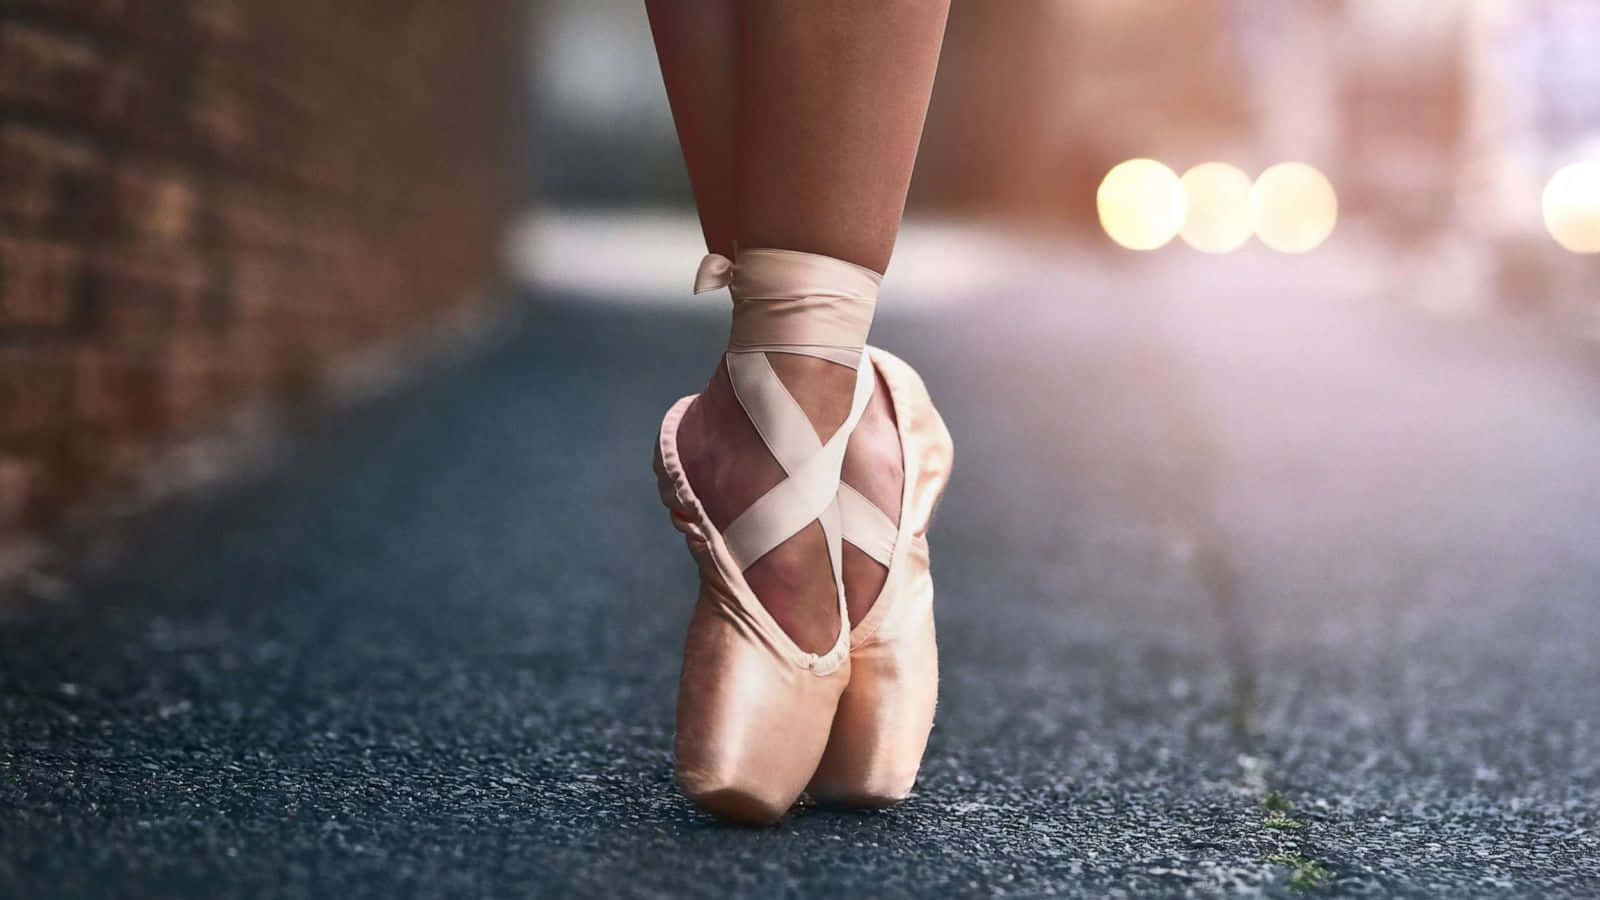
point(717, 403)
point(823, 389)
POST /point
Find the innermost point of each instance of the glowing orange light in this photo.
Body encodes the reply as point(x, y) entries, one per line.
point(1295, 207)
point(1572, 207)
point(1141, 204)
point(1219, 217)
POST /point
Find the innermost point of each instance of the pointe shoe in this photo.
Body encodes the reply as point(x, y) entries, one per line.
point(754, 710)
point(881, 728)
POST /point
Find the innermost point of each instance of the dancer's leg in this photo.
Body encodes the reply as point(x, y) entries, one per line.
point(697, 42)
point(820, 117)
point(832, 98)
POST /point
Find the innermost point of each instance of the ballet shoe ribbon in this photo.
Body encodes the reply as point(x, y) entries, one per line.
point(715, 273)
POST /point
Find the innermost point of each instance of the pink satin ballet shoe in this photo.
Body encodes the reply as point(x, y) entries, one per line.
point(881, 728)
point(754, 710)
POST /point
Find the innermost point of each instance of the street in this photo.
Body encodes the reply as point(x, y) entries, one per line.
point(1250, 580)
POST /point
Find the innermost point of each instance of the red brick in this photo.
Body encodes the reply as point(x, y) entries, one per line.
point(253, 217)
point(16, 486)
point(154, 204)
point(47, 68)
point(192, 387)
point(145, 295)
point(217, 20)
point(204, 202)
point(38, 282)
point(117, 390)
point(34, 397)
point(40, 173)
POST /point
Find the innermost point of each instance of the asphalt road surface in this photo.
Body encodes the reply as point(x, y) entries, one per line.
point(1211, 546)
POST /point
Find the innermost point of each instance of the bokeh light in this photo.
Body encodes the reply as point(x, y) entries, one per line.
point(1141, 204)
point(1295, 207)
point(1219, 217)
point(1572, 207)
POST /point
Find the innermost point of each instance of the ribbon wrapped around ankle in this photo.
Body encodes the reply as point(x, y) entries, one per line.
point(788, 301)
point(785, 301)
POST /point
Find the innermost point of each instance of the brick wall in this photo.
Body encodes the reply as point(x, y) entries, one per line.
point(205, 204)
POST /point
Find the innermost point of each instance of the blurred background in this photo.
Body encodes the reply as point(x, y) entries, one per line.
point(1439, 125)
point(215, 211)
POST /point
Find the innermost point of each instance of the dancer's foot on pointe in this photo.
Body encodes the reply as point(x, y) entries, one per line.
point(729, 467)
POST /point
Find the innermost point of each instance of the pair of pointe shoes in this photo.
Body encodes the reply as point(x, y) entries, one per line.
point(759, 720)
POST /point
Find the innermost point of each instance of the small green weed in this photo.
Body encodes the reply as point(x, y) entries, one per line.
point(1282, 822)
point(1304, 874)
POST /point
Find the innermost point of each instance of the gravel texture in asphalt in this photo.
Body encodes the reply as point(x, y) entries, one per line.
point(1202, 556)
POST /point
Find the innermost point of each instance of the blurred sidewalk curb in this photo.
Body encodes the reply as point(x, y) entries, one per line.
point(650, 257)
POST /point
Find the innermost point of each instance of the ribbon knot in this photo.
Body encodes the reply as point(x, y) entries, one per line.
point(716, 271)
